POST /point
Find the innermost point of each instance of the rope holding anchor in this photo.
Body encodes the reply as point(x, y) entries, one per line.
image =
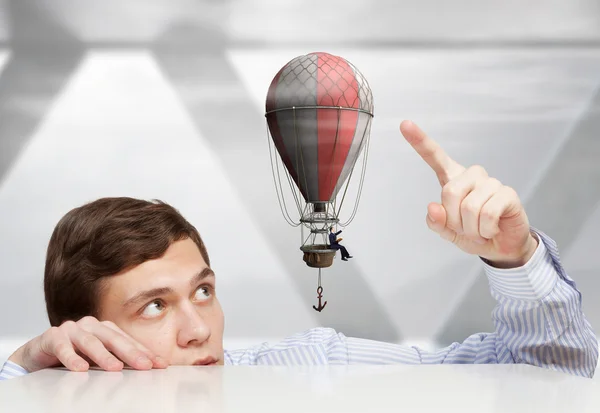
point(320, 295)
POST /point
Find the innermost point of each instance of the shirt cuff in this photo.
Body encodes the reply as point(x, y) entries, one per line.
point(532, 281)
point(11, 370)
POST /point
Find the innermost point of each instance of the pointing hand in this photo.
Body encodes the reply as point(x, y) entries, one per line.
point(477, 213)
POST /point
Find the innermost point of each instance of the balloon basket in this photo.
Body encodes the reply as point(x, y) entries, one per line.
point(318, 256)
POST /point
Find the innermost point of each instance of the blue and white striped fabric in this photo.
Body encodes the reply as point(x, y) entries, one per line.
point(538, 320)
point(10, 370)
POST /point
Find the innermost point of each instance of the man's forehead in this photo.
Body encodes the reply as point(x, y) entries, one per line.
point(182, 257)
point(162, 276)
point(180, 264)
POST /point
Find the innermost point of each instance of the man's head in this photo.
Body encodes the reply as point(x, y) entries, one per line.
point(330, 229)
point(142, 266)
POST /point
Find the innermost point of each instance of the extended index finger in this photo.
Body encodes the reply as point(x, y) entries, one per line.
point(444, 167)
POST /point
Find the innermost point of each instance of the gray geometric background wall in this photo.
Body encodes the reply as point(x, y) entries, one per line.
point(165, 99)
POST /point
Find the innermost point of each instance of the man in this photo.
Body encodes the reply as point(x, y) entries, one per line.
point(334, 243)
point(129, 282)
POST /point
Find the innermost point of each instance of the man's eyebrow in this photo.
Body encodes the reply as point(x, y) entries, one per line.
point(156, 292)
point(147, 295)
point(206, 272)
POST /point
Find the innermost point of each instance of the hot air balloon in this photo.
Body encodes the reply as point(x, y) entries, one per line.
point(319, 109)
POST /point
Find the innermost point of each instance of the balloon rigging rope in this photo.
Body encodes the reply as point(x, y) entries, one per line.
point(293, 191)
point(360, 188)
point(307, 238)
point(364, 161)
point(362, 178)
point(278, 188)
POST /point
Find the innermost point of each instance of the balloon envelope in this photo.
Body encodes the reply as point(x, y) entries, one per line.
point(319, 109)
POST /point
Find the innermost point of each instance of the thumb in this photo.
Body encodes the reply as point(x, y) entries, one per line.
point(436, 221)
point(436, 216)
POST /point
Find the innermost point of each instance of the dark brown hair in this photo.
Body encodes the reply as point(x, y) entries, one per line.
point(101, 239)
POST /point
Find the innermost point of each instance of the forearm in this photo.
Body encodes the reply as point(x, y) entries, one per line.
point(539, 319)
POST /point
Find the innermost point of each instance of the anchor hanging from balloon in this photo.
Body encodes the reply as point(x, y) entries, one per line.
point(319, 109)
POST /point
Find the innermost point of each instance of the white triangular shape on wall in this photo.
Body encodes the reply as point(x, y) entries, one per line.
point(118, 129)
point(4, 58)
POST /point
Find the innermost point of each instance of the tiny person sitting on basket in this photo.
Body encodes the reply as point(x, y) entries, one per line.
point(334, 243)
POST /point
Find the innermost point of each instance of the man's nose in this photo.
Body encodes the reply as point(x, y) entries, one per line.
point(193, 329)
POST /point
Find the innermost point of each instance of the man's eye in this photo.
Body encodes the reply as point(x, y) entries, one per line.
point(203, 293)
point(154, 308)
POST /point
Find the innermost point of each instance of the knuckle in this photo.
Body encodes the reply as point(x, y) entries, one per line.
point(68, 325)
point(488, 215)
point(490, 232)
point(455, 226)
point(114, 330)
point(483, 230)
point(495, 182)
point(449, 236)
point(53, 331)
point(109, 324)
point(510, 191)
point(87, 320)
point(134, 354)
point(478, 170)
point(469, 208)
point(116, 342)
point(51, 337)
point(61, 347)
point(73, 359)
point(450, 191)
point(88, 340)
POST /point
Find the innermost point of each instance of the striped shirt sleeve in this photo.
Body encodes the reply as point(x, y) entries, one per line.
point(11, 370)
point(538, 320)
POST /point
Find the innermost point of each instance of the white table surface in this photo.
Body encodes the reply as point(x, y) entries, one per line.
point(398, 388)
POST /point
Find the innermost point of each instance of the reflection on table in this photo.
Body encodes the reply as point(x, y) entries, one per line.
point(448, 388)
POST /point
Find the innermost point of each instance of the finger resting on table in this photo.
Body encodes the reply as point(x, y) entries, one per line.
point(90, 345)
point(56, 342)
point(157, 361)
point(123, 347)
